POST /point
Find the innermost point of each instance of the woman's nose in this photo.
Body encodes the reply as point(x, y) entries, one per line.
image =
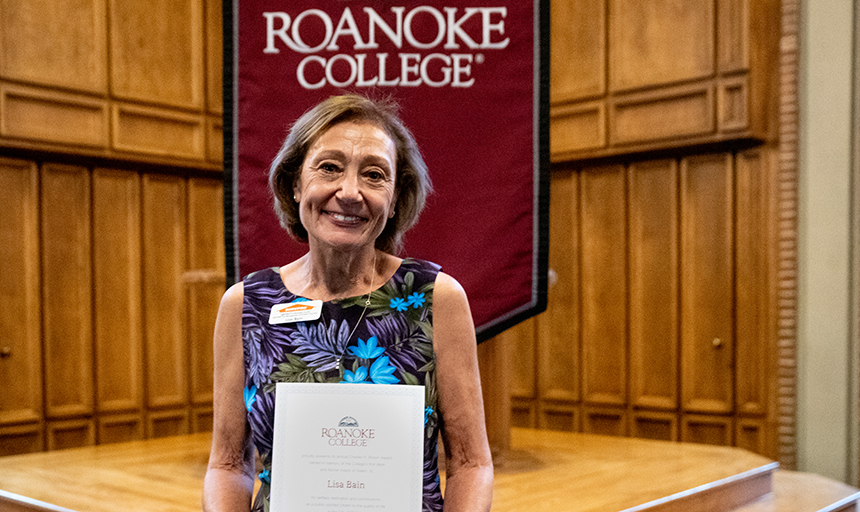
point(350, 187)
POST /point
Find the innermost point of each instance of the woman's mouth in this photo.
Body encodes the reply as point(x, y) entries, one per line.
point(342, 217)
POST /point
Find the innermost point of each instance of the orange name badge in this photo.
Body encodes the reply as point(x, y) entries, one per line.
point(303, 311)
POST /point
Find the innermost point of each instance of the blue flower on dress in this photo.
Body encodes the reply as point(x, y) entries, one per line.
point(367, 349)
point(398, 304)
point(427, 412)
point(250, 397)
point(381, 372)
point(416, 300)
point(264, 477)
point(360, 375)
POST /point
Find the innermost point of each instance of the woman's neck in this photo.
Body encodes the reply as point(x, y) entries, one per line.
point(330, 274)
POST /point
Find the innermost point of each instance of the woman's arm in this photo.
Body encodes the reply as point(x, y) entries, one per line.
point(229, 478)
point(469, 465)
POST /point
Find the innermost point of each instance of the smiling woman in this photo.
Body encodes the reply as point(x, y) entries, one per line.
point(349, 181)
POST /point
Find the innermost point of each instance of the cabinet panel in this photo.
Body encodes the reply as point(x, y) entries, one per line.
point(654, 284)
point(604, 290)
point(66, 295)
point(205, 279)
point(201, 419)
point(707, 430)
point(41, 115)
point(654, 425)
point(55, 42)
point(559, 326)
point(605, 422)
point(158, 132)
point(660, 41)
point(70, 434)
point(577, 127)
point(116, 284)
point(158, 58)
point(18, 439)
point(167, 424)
point(120, 428)
point(521, 341)
point(752, 284)
point(707, 294)
point(577, 49)
point(164, 243)
point(559, 417)
point(662, 114)
point(751, 434)
point(20, 316)
point(214, 57)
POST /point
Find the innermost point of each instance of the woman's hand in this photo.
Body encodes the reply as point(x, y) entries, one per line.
point(469, 465)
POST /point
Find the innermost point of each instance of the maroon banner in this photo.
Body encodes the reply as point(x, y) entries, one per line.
point(472, 88)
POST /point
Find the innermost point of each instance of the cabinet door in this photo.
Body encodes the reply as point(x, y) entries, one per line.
point(66, 291)
point(558, 328)
point(654, 284)
point(164, 241)
point(205, 279)
point(116, 282)
point(604, 289)
point(20, 333)
point(707, 343)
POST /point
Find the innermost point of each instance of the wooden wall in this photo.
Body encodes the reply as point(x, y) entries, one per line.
point(661, 318)
point(112, 219)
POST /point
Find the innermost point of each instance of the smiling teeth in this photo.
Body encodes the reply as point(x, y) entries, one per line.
point(345, 218)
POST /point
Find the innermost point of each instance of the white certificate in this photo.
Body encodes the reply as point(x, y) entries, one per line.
point(347, 448)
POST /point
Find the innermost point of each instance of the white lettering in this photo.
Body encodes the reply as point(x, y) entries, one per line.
point(297, 38)
point(329, 74)
point(446, 70)
point(374, 20)
point(434, 70)
point(300, 72)
point(440, 22)
point(460, 70)
point(406, 69)
point(346, 19)
point(455, 28)
point(490, 27)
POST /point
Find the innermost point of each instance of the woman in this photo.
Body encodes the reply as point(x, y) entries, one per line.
point(349, 181)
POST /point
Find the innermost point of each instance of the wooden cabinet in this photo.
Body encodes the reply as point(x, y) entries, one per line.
point(656, 74)
point(114, 334)
point(658, 314)
point(20, 316)
point(107, 78)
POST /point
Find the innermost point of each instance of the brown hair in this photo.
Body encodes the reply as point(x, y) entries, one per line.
point(412, 180)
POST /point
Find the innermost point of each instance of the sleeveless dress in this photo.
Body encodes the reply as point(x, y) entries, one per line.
point(393, 344)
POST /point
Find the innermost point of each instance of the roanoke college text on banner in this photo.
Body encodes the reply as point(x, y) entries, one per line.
point(466, 76)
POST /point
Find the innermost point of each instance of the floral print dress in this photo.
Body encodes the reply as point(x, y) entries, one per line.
point(392, 344)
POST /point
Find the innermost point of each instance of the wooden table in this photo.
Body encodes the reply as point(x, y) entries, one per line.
point(544, 471)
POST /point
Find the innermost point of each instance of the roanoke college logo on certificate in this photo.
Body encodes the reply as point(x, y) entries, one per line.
point(347, 447)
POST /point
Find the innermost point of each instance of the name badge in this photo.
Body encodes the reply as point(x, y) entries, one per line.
point(303, 311)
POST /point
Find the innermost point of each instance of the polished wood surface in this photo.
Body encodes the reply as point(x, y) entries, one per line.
point(543, 471)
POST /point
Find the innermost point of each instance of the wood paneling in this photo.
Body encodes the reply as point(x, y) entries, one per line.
point(604, 285)
point(559, 417)
point(559, 326)
point(164, 241)
point(158, 59)
point(521, 339)
point(66, 290)
point(751, 434)
point(604, 421)
point(167, 423)
point(158, 132)
point(20, 316)
point(653, 207)
point(660, 41)
point(40, 115)
point(55, 42)
point(70, 434)
point(214, 57)
point(578, 127)
point(117, 289)
point(18, 439)
point(664, 114)
point(654, 425)
point(752, 283)
point(205, 279)
point(707, 254)
point(577, 50)
point(707, 429)
point(120, 428)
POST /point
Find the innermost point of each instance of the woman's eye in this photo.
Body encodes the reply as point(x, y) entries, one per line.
point(375, 175)
point(328, 167)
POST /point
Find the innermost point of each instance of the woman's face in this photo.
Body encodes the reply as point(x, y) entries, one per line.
point(346, 187)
